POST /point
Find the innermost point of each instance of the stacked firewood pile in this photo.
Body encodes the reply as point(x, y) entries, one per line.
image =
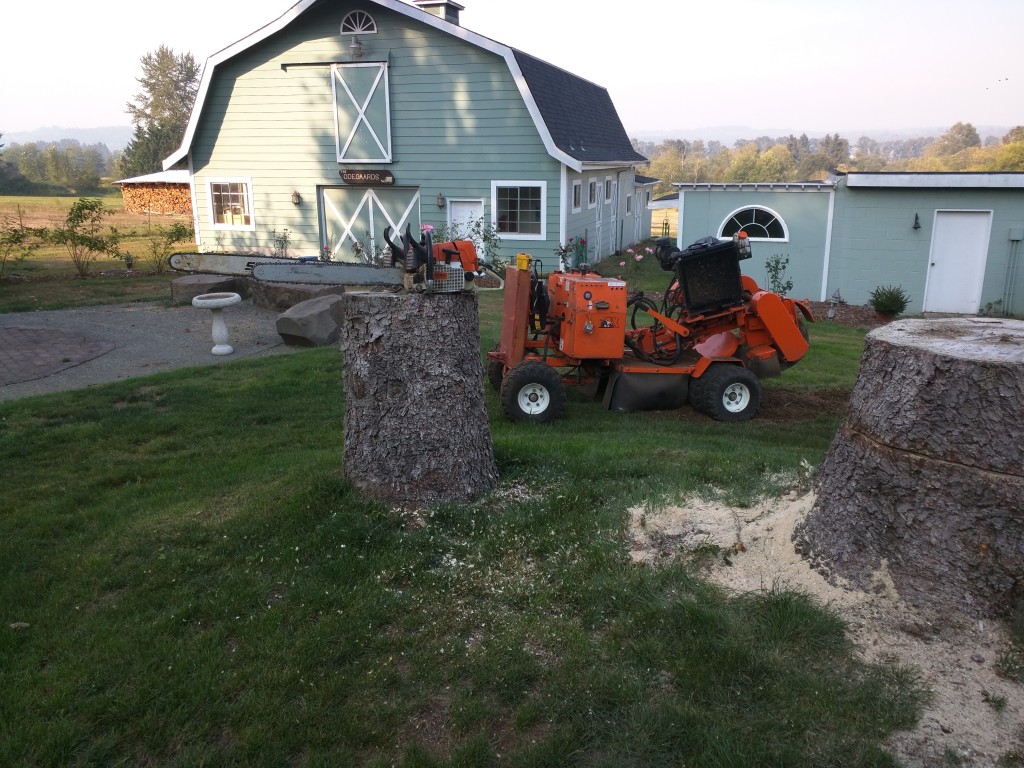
point(172, 199)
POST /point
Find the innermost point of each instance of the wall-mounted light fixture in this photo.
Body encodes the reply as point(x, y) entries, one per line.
point(296, 198)
point(355, 48)
point(440, 200)
point(917, 221)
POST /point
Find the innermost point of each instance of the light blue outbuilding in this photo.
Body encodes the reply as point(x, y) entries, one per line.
point(951, 240)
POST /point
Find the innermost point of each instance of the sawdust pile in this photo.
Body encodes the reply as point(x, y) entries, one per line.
point(975, 718)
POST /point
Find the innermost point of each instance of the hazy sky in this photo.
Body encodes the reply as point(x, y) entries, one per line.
point(804, 65)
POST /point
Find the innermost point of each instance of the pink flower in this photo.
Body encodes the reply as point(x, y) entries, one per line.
point(427, 228)
point(622, 263)
point(649, 251)
point(630, 251)
point(639, 257)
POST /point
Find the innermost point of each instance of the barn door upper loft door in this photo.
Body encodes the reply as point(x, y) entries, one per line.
point(362, 112)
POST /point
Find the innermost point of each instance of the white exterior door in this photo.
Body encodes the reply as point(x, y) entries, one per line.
point(956, 264)
point(638, 230)
point(613, 241)
point(462, 214)
point(353, 219)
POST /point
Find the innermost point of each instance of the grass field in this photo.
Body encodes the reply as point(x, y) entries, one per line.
point(187, 578)
point(47, 279)
point(52, 261)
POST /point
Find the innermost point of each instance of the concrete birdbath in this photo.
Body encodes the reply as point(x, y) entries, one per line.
point(216, 302)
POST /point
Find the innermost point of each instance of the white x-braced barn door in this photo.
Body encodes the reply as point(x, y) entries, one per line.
point(354, 219)
point(362, 112)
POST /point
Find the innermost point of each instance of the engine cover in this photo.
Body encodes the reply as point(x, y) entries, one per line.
point(591, 315)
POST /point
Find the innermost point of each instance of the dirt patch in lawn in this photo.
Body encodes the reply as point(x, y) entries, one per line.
point(975, 717)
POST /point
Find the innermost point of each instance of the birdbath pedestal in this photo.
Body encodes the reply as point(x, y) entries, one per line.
point(215, 302)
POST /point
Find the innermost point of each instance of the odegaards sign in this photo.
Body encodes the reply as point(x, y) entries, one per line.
point(367, 178)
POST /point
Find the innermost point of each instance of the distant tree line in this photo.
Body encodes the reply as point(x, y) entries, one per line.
point(55, 168)
point(800, 158)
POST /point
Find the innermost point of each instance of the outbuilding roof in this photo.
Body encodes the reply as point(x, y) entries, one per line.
point(161, 177)
point(575, 118)
point(936, 180)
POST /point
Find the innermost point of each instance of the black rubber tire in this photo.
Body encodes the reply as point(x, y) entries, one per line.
point(495, 371)
point(726, 393)
point(533, 391)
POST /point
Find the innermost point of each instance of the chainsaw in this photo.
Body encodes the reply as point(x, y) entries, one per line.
point(422, 266)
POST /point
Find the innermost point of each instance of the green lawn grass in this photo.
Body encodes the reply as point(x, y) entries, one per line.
point(187, 578)
point(72, 291)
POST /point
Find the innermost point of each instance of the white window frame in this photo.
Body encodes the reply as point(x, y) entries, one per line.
point(247, 183)
point(520, 183)
point(592, 194)
point(577, 195)
point(766, 209)
point(608, 189)
point(629, 205)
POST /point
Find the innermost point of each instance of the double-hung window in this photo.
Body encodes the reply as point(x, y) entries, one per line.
point(519, 209)
point(231, 203)
point(577, 196)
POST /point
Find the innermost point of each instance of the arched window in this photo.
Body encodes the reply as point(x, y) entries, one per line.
point(358, 23)
point(758, 222)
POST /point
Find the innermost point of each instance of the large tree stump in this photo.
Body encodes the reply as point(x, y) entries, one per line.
point(926, 475)
point(416, 425)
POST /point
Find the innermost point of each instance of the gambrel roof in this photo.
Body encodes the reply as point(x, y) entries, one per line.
point(575, 118)
point(578, 114)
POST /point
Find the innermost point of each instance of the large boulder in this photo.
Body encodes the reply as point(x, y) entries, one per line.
point(312, 323)
point(184, 289)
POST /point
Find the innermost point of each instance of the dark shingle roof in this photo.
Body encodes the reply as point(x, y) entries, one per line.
point(579, 114)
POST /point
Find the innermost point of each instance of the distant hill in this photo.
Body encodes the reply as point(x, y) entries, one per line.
point(115, 137)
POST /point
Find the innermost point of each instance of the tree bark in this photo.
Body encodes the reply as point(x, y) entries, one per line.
point(416, 426)
point(926, 476)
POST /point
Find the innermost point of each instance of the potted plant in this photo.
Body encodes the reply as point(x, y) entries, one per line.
point(889, 301)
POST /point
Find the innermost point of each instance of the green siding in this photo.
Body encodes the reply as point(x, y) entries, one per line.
point(615, 236)
point(457, 123)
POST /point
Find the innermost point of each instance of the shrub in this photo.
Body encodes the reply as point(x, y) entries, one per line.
point(889, 299)
point(160, 241)
point(777, 280)
point(81, 233)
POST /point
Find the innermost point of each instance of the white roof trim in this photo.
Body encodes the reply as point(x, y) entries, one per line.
point(937, 180)
point(774, 186)
point(399, 7)
point(162, 177)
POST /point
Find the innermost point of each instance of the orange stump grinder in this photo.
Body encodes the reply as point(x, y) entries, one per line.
point(713, 336)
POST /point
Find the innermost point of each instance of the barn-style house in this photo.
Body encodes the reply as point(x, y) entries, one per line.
point(337, 120)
